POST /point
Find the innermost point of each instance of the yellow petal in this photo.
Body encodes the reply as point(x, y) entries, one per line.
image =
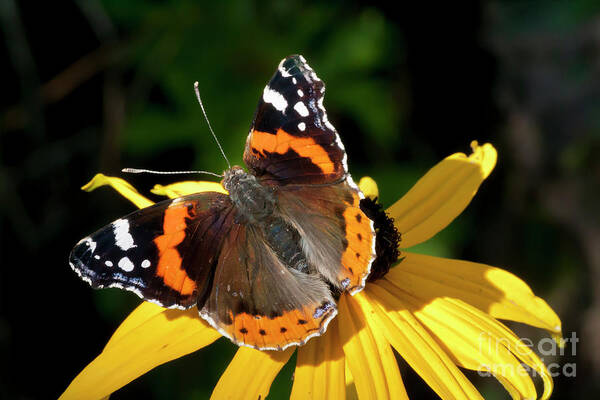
point(121, 186)
point(369, 187)
point(351, 393)
point(179, 189)
point(476, 341)
point(143, 313)
point(149, 337)
point(388, 359)
point(493, 290)
point(250, 374)
point(442, 194)
point(320, 368)
point(417, 347)
point(368, 354)
point(505, 337)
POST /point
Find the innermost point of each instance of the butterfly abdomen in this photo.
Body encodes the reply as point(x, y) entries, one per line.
point(255, 203)
point(285, 241)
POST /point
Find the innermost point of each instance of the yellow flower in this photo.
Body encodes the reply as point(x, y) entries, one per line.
point(438, 314)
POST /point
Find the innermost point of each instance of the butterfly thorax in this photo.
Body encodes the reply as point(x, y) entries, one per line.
point(252, 200)
point(255, 204)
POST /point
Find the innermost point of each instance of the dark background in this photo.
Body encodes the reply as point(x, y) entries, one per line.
point(95, 86)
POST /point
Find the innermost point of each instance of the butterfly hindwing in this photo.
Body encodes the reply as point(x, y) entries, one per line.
point(258, 301)
point(338, 238)
point(291, 141)
point(165, 253)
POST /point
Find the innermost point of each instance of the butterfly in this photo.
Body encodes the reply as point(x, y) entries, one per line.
point(264, 263)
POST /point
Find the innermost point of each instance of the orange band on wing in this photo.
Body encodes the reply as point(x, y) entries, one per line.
point(169, 259)
point(358, 255)
point(292, 327)
point(282, 141)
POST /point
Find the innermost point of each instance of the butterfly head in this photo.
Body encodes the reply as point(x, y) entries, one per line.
point(233, 176)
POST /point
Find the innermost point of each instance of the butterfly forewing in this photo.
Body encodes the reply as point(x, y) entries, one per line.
point(291, 141)
point(165, 253)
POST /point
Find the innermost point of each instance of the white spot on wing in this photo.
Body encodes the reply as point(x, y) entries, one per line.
point(283, 71)
point(89, 243)
point(300, 93)
point(125, 264)
point(275, 98)
point(301, 109)
point(136, 284)
point(302, 126)
point(145, 263)
point(294, 81)
point(122, 236)
point(97, 257)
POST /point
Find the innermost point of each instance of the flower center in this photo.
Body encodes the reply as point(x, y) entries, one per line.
point(387, 238)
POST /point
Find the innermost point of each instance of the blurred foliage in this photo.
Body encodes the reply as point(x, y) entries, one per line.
point(98, 85)
point(175, 44)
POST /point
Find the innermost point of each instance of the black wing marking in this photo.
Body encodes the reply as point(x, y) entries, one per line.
point(164, 253)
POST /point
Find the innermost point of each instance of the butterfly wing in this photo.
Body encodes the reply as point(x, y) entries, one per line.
point(336, 235)
point(291, 140)
point(293, 145)
point(259, 302)
point(195, 250)
point(165, 253)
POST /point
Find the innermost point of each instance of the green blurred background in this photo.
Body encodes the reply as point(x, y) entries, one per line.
point(95, 86)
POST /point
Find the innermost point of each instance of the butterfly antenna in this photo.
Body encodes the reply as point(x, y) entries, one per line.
point(149, 171)
point(208, 122)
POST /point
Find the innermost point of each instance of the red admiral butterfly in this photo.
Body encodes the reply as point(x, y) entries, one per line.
point(264, 263)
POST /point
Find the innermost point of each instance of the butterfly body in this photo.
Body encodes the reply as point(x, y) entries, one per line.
point(253, 201)
point(265, 262)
